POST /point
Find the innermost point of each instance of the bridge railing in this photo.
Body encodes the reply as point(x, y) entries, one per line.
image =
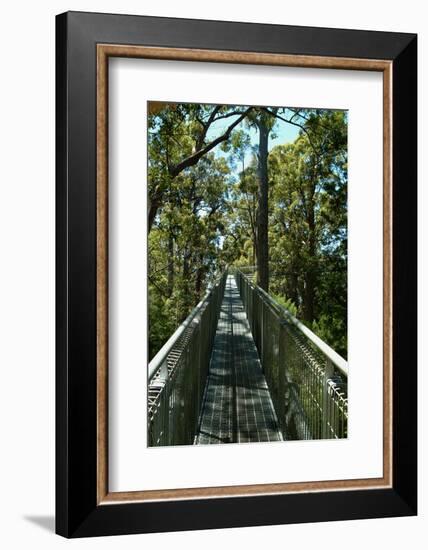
point(307, 378)
point(177, 374)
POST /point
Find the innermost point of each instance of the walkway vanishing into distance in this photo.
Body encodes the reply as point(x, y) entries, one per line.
point(242, 369)
point(237, 406)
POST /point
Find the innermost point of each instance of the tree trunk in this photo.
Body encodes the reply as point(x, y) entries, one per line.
point(153, 207)
point(186, 299)
point(292, 286)
point(170, 264)
point(262, 210)
point(310, 278)
point(309, 296)
point(199, 277)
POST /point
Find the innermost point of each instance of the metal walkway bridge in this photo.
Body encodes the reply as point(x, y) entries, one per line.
point(242, 369)
point(237, 406)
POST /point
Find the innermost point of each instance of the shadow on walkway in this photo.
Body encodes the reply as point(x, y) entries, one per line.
point(237, 406)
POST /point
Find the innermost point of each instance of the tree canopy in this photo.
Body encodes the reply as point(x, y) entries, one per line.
point(248, 186)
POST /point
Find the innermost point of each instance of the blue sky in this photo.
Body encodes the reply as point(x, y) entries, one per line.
point(283, 132)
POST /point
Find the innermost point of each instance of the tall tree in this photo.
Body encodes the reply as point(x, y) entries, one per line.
point(264, 125)
point(220, 195)
point(180, 135)
point(309, 235)
point(183, 245)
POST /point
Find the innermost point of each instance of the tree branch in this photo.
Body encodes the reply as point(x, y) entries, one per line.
point(194, 158)
point(206, 125)
point(290, 121)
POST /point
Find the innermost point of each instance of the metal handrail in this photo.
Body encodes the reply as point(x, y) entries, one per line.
point(307, 379)
point(161, 356)
point(338, 361)
point(177, 374)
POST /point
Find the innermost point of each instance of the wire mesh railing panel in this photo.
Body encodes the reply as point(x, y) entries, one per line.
point(177, 375)
point(307, 380)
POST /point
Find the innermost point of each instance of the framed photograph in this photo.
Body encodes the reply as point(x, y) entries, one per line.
point(236, 274)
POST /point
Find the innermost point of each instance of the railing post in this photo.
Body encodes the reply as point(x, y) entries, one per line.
point(176, 399)
point(328, 374)
point(162, 383)
point(262, 332)
point(163, 371)
point(282, 377)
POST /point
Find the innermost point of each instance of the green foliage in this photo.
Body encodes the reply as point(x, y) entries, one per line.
point(286, 302)
point(204, 204)
point(308, 225)
point(162, 323)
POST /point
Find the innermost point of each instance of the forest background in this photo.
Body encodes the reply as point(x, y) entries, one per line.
point(245, 186)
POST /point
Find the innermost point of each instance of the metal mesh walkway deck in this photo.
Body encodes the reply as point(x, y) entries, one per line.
point(237, 406)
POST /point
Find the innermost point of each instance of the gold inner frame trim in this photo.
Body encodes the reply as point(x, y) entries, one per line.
point(104, 51)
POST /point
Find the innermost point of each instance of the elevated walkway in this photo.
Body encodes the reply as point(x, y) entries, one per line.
point(241, 368)
point(237, 407)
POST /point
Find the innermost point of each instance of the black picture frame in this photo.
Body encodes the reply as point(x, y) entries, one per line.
point(77, 512)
